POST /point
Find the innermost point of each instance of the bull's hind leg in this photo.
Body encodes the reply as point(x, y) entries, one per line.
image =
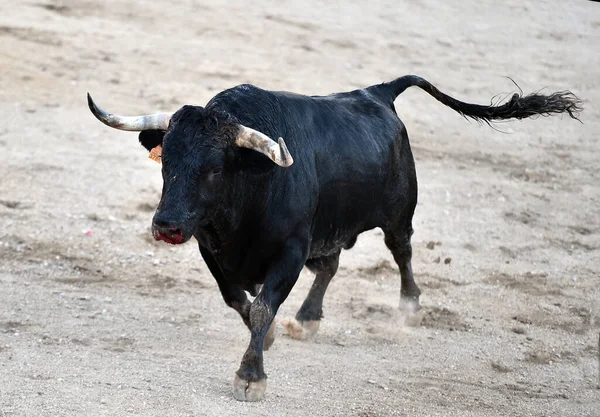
point(308, 319)
point(398, 241)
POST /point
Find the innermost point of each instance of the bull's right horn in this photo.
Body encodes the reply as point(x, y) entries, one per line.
point(258, 141)
point(158, 121)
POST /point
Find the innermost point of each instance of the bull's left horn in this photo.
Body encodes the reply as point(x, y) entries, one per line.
point(158, 121)
point(253, 139)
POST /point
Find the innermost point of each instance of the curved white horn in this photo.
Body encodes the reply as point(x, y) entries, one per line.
point(158, 121)
point(255, 140)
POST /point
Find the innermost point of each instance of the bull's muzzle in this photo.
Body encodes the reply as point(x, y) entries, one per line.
point(171, 235)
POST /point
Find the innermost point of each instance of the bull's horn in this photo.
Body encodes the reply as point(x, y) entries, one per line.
point(158, 121)
point(253, 139)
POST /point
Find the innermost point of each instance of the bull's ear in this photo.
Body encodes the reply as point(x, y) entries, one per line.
point(150, 139)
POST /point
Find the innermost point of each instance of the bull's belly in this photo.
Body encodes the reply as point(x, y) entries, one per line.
point(345, 210)
point(329, 244)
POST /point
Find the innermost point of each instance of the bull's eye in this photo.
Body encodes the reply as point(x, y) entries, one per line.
point(214, 174)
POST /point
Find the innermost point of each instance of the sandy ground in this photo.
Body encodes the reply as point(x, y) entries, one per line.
point(114, 324)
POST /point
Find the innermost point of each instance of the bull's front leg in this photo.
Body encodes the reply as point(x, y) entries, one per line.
point(250, 381)
point(234, 296)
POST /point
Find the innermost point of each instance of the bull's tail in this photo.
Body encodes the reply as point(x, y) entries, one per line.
point(518, 107)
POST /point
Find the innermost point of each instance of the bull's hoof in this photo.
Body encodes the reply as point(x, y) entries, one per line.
point(270, 337)
point(411, 311)
point(248, 391)
point(300, 330)
point(409, 305)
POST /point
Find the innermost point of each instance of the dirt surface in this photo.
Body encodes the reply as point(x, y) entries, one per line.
point(96, 319)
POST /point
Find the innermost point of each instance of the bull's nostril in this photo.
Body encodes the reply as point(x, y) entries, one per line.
point(168, 231)
point(175, 233)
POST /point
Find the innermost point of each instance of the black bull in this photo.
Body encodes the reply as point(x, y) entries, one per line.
point(258, 223)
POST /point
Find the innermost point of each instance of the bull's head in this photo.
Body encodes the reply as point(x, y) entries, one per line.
point(197, 149)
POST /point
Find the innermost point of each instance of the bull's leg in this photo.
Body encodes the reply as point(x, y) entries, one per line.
point(398, 241)
point(307, 321)
point(234, 296)
point(250, 380)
